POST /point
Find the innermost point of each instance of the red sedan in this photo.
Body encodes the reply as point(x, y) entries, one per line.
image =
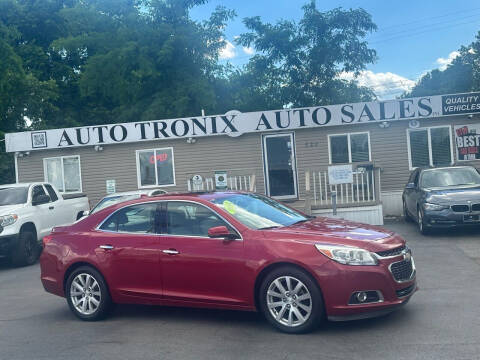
point(228, 250)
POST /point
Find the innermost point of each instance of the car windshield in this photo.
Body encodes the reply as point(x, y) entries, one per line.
point(112, 200)
point(450, 177)
point(13, 195)
point(258, 212)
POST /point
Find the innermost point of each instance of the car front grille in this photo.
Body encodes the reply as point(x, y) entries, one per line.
point(402, 270)
point(405, 291)
point(461, 208)
point(476, 207)
point(391, 252)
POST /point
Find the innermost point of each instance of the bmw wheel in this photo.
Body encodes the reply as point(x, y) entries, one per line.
point(291, 300)
point(87, 294)
point(421, 223)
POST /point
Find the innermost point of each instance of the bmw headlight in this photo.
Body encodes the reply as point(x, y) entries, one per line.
point(6, 220)
point(434, 207)
point(347, 255)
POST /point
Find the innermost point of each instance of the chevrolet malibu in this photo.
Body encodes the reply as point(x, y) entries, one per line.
point(228, 250)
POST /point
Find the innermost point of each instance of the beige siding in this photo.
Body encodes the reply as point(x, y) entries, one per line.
point(239, 156)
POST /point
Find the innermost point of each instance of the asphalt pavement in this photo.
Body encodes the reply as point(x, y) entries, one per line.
point(442, 320)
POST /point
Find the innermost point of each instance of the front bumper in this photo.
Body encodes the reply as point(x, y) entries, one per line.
point(7, 242)
point(338, 282)
point(449, 218)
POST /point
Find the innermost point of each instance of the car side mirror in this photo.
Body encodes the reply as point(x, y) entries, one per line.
point(219, 232)
point(410, 186)
point(40, 199)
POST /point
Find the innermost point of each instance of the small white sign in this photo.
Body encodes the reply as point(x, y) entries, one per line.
point(197, 180)
point(221, 180)
point(111, 186)
point(340, 174)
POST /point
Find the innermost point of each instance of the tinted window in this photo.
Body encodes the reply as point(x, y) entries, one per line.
point(112, 200)
point(359, 147)
point(184, 218)
point(51, 192)
point(38, 190)
point(13, 196)
point(133, 219)
point(339, 149)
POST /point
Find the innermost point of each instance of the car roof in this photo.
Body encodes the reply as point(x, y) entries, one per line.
point(21, 184)
point(447, 167)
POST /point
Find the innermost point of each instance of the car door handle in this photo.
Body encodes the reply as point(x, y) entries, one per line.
point(106, 247)
point(51, 207)
point(171, 252)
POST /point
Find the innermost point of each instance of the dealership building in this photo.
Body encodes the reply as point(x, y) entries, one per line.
point(361, 154)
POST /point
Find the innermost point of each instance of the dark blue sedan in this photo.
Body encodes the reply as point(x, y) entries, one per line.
point(442, 197)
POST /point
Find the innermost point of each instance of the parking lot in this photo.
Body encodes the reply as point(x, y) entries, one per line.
point(440, 322)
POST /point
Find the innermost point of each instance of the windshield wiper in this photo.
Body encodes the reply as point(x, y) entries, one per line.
point(269, 227)
point(301, 221)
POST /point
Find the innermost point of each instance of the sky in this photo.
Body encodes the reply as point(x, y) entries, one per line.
point(413, 37)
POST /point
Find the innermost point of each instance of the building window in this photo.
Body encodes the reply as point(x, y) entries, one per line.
point(64, 173)
point(155, 167)
point(349, 148)
point(429, 147)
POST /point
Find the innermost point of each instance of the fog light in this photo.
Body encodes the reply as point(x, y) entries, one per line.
point(361, 296)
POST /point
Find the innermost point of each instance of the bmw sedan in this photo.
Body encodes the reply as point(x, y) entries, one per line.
point(228, 250)
point(443, 197)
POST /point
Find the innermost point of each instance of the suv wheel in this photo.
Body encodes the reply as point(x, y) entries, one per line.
point(27, 250)
point(87, 294)
point(290, 300)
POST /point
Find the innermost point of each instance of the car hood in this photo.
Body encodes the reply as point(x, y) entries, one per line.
point(9, 209)
point(339, 232)
point(456, 195)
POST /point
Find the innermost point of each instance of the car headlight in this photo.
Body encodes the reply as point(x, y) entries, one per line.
point(434, 207)
point(347, 255)
point(6, 220)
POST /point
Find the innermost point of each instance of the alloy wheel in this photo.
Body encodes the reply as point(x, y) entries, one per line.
point(289, 301)
point(85, 294)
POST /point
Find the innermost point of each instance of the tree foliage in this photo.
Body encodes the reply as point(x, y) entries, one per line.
point(82, 62)
point(462, 75)
point(299, 64)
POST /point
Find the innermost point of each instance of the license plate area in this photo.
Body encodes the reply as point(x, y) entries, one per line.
point(471, 218)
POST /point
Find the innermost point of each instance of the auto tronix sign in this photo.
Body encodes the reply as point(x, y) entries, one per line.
point(235, 123)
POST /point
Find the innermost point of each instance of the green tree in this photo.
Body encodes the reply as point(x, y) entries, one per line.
point(462, 75)
point(299, 63)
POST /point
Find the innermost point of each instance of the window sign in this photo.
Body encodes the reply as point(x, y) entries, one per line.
point(111, 186)
point(155, 167)
point(467, 142)
point(340, 174)
point(221, 180)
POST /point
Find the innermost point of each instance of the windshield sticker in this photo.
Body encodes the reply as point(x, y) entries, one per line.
point(230, 207)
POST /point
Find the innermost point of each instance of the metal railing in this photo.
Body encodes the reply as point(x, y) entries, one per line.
point(364, 189)
point(234, 182)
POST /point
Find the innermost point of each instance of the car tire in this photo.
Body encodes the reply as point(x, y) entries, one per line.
point(424, 230)
point(406, 215)
point(27, 250)
point(87, 294)
point(291, 300)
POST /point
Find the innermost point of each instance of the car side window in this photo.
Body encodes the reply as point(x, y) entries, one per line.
point(416, 177)
point(139, 218)
point(38, 190)
point(190, 219)
point(51, 192)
